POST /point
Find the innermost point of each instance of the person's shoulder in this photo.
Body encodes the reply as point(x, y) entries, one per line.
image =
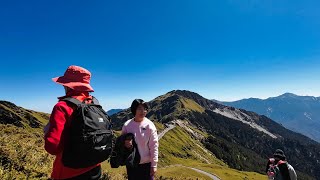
point(60, 108)
point(151, 124)
point(61, 105)
point(290, 167)
point(128, 122)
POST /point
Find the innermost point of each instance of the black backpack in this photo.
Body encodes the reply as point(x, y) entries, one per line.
point(89, 139)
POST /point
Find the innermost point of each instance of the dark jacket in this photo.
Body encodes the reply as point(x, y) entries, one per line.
point(123, 156)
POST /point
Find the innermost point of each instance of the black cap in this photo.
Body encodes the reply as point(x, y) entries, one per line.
point(279, 154)
point(136, 103)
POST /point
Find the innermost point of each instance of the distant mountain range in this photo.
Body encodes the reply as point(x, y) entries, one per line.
point(113, 111)
point(242, 139)
point(297, 113)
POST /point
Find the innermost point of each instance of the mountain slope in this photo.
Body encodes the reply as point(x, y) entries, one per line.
point(182, 146)
point(298, 113)
point(21, 143)
point(20, 117)
point(242, 139)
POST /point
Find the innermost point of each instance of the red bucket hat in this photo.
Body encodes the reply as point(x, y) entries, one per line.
point(76, 78)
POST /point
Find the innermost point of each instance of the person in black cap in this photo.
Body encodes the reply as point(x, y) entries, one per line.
point(279, 169)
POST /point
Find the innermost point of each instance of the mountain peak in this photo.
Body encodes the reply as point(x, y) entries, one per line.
point(296, 97)
point(185, 93)
point(288, 95)
point(206, 103)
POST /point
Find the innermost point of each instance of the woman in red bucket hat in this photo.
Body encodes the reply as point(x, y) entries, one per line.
point(76, 78)
point(76, 81)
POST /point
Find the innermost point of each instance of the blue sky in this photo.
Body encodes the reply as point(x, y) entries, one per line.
point(225, 50)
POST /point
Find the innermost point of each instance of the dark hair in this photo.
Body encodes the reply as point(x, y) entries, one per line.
point(279, 154)
point(135, 103)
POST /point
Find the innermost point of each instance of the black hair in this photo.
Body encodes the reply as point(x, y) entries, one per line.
point(135, 103)
point(279, 154)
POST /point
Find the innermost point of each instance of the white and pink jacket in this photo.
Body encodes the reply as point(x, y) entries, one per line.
point(146, 137)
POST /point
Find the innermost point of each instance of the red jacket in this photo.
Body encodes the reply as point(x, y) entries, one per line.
point(54, 139)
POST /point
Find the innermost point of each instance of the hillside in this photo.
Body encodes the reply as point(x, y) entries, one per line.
point(242, 139)
point(20, 117)
point(21, 143)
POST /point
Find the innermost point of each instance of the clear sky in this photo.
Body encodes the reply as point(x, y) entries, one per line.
point(225, 50)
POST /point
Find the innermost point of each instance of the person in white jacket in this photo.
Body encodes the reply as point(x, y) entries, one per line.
point(146, 138)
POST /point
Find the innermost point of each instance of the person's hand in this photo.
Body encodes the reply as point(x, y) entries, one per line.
point(128, 144)
point(153, 171)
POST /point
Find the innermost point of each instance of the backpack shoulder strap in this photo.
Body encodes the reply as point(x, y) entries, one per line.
point(72, 100)
point(282, 162)
point(95, 100)
point(96, 103)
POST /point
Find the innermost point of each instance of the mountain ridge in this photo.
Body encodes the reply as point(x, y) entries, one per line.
point(298, 113)
point(18, 116)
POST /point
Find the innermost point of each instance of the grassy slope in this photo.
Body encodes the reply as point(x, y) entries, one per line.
point(191, 105)
point(177, 140)
point(160, 127)
point(23, 114)
point(22, 154)
point(26, 158)
point(21, 148)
